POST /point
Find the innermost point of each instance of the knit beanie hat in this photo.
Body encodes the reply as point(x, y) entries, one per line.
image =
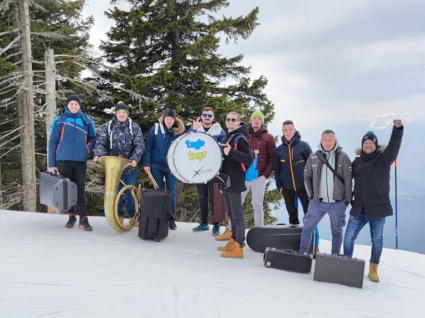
point(257, 113)
point(370, 136)
point(170, 111)
point(121, 106)
point(73, 97)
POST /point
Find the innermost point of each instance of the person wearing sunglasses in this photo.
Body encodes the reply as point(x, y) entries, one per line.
point(208, 125)
point(237, 157)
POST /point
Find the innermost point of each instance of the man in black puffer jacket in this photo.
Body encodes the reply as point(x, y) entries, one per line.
point(288, 164)
point(237, 157)
point(372, 204)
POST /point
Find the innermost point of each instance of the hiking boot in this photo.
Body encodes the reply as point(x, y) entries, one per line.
point(201, 227)
point(228, 247)
point(373, 272)
point(216, 229)
point(173, 225)
point(225, 236)
point(235, 252)
point(71, 221)
point(84, 224)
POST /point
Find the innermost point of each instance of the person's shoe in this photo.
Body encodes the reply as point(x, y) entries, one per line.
point(225, 236)
point(84, 224)
point(132, 221)
point(71, 221)
point(373, 272)
point(316, 249)
point(201, 227)
point(228, 247)
point(216, 229)
point(235, 252)
point(173, 225)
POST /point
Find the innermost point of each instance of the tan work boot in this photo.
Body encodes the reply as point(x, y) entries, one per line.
point(373, 272)
point(235, 252)
point(228, 247)
point(225, 236)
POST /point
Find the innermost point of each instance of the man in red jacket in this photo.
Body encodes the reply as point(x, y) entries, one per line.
point(264, 146)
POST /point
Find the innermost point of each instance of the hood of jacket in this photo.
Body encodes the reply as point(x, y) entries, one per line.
point(263, 129)
point(241, 129)
point(334, 149)
point(178, 127)
point(381, 149)
point(214, 130)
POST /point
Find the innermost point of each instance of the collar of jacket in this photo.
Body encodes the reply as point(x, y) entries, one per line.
point(294, 140)
point(259, 132)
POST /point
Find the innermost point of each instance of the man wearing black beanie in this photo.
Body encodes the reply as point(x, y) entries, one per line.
point(371, 203)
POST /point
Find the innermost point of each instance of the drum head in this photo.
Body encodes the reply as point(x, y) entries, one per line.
point(194, 158)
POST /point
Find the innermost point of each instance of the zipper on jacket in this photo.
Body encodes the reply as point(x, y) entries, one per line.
point(290, 162)
point(379, 189)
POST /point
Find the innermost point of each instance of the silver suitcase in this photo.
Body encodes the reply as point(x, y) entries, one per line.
point(57, 191)
point(339, 269)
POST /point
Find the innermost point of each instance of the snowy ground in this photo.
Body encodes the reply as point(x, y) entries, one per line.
point(49, 271)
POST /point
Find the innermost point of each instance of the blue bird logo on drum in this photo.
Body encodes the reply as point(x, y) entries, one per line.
point(195, 144)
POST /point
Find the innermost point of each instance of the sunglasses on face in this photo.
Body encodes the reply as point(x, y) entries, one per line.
point(231, 119)
point(207, 115)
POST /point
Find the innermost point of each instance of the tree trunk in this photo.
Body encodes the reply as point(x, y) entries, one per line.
point(26, 113)
point(49, 59)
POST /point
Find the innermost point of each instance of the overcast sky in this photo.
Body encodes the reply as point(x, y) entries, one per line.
point(329, 60)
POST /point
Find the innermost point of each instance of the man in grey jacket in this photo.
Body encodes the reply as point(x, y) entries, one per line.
point(329, 192)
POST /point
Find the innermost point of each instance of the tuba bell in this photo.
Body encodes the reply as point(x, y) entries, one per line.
point(114, 166)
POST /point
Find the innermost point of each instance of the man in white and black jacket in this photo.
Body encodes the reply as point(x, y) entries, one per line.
point(237, 158)
point(372, 204)
point(329, 191)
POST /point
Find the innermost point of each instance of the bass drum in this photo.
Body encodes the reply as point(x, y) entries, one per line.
point(194, 157)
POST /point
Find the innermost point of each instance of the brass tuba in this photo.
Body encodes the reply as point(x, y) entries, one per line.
point(114, 167)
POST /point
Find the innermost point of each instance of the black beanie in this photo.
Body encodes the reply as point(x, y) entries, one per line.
point(121, 106)
point(170, 111)
point(73, 97)
point(370, 136)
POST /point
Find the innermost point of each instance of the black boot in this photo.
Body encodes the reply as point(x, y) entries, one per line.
point(84, 224)
point(71, 221)
point(173, 225)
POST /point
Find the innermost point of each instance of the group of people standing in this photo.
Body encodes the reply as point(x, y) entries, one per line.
point(321, 180)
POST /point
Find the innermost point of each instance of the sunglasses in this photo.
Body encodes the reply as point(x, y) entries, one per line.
point(207, 115)
point(231, 119)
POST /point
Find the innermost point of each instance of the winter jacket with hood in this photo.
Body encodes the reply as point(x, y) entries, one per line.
point(157, 146)
point(372, 178)
point(72, 137)
point(289, 162)
point(264, 142)
point(238, 154)
point(321, 182)
point(117, 139)
point(214, 131)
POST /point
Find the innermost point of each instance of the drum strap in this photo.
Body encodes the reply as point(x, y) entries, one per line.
point(161, 127)
point(130, 127)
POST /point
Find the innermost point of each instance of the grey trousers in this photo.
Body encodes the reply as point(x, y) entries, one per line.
point(234, 211)
point(257, 187)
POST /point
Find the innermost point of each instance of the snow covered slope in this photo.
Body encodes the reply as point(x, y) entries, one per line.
point(49, 271)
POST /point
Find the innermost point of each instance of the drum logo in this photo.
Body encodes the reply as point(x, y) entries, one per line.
point(195, 144)
point(197, 156)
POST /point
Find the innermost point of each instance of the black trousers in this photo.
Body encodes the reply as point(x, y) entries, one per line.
point(289, 196)
point(76, 172)
point(205, 194)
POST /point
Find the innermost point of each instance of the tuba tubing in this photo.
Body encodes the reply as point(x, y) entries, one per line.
point(114, 166)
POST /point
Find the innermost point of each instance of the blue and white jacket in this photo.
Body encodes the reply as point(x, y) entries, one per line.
point(72, 137)
point(214, 131)
point(157, 145)
point(121, 140)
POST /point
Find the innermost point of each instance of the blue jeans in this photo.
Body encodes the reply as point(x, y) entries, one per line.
point(355, 225)
point(129, 179)
point(316, 211)
point(316, 230)
point(170, 181)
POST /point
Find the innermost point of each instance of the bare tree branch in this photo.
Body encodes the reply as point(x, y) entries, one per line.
point(10, 45)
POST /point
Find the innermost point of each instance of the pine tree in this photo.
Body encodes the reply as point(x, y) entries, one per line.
point(166, 50)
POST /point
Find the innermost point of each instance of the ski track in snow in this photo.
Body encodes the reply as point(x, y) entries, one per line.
point(49, 271)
